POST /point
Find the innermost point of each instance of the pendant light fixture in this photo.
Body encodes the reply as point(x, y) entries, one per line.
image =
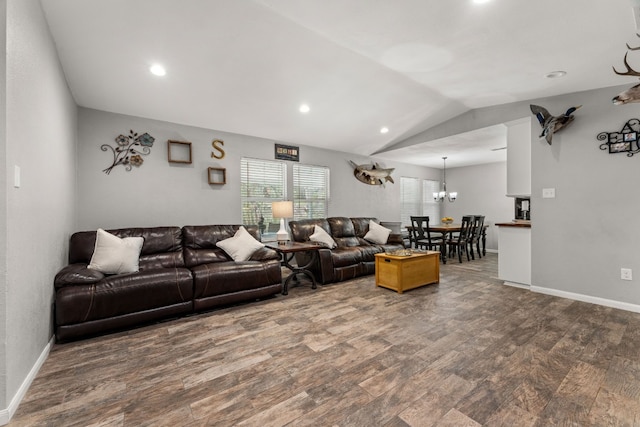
point(439, 197)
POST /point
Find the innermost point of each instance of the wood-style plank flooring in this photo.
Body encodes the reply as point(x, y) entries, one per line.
point(466, 352)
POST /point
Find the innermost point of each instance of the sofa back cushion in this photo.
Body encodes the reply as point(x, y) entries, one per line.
point(200, 242)
point(302, 229)
point(343, 232)
point(361, 225)
point(162, 247)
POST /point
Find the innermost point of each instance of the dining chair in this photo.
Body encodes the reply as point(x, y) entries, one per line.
point(461, 241)
point(477, 229)
point(421, 236)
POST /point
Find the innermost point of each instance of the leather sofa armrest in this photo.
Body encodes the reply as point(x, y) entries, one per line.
point(395, 239)
point(265, 254)
point(76, 274)
point(326, 265)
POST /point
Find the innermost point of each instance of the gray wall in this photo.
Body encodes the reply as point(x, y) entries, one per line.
point(162, 193)
point(481, 190)
point(582, 238)
point(40, 138)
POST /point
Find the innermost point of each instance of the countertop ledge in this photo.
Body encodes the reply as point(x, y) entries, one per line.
point(514, 224)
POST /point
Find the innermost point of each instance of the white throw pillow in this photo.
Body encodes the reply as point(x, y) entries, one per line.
point(113, 255)
point(241, 246)
point(321, 236)
point(377, 233)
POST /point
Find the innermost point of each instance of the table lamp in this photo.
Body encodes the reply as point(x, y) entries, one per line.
point(282, 210)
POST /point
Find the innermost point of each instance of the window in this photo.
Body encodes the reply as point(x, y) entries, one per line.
point(310, 191)
point(262, 182)
point(429, 206)
point(409, 199)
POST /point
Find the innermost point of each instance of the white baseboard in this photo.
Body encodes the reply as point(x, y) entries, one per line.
point(492, 251)
point(516, 285)
point(7, 414)
point(586, 298)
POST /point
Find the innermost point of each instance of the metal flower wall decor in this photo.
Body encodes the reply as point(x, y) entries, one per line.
point(129, 150)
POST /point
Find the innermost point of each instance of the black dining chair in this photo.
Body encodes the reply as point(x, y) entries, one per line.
point(421, 236)
point(461, 241)
point(477, 228)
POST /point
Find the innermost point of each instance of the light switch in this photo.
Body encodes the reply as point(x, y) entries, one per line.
point(548, 193)
point(16, 176)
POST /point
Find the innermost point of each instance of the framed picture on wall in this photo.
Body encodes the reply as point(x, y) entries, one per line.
point(619, 147)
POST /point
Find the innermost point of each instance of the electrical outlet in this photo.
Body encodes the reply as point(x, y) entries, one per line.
point(625, 274)
point(548, 193)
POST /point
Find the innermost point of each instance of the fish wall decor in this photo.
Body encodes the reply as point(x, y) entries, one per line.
point(372, 174)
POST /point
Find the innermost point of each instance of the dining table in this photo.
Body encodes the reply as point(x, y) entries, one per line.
point(450, 229)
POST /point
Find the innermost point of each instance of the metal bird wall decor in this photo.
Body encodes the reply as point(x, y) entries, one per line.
point(552, 124)
point(633, 93)
point(372, 174)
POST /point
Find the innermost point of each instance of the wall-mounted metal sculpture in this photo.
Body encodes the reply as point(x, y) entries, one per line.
point(552, 124)
point(633, 93)
point(372, 174)
point(129, 150)
point(624, 141)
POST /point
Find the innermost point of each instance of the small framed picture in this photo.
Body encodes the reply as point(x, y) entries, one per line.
point(631, 136)
point(179, 151)
point(620, 147)
point(217, 176)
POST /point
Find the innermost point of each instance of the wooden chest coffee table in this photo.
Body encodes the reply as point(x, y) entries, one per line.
point(401, 273)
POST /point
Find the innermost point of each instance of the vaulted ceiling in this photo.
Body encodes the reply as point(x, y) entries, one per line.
point(246, 66)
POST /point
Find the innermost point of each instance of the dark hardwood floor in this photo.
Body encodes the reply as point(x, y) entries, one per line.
point(466, 352)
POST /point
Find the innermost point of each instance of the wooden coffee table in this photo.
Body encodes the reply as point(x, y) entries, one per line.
point(404, 272)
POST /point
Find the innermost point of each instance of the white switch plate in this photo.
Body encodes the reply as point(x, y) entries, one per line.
point(16, 176)
point(548, 193)
point(626, 274)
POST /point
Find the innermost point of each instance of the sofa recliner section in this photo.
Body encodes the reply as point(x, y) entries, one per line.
point(180, 271)
point(352, 257)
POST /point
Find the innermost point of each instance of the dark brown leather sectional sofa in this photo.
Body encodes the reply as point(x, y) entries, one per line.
point(352, 257)
point(181, 271)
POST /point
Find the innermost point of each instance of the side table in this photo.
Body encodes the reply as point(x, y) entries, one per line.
point(287, 252)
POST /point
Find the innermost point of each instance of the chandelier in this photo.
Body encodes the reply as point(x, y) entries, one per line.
point(439, 197)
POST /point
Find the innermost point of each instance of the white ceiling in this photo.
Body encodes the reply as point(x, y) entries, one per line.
point(245, 66)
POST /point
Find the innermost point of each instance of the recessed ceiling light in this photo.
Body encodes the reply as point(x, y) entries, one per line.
point(304, 108)
point(555, 74)
point(158, 70)
point(384, 129)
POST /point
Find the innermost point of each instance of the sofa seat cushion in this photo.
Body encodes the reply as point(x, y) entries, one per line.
point(343, 256)
point(123, 294)
point(227, 277)
point(368, 252)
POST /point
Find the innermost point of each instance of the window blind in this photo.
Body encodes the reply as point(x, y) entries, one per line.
point(310, 191)
point(429, 206)
point(261, 183)
point(409, 199)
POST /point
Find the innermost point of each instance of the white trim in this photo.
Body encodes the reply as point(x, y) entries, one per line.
point(516, 285)
point(7, 414)
point(587, 298)
point(492, 251)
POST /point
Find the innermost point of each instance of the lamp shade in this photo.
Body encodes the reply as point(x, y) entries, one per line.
point(282, 209)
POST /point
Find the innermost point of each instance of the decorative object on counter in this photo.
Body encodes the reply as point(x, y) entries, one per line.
point(217, 176)
point(633, 93)
point(178, 151)
point(282, 210)
point(446, 220)
point(552, 124)
point(440, 196)
point(129, 150)
point(287, 152)
point(624, 141)
point(217, 145)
